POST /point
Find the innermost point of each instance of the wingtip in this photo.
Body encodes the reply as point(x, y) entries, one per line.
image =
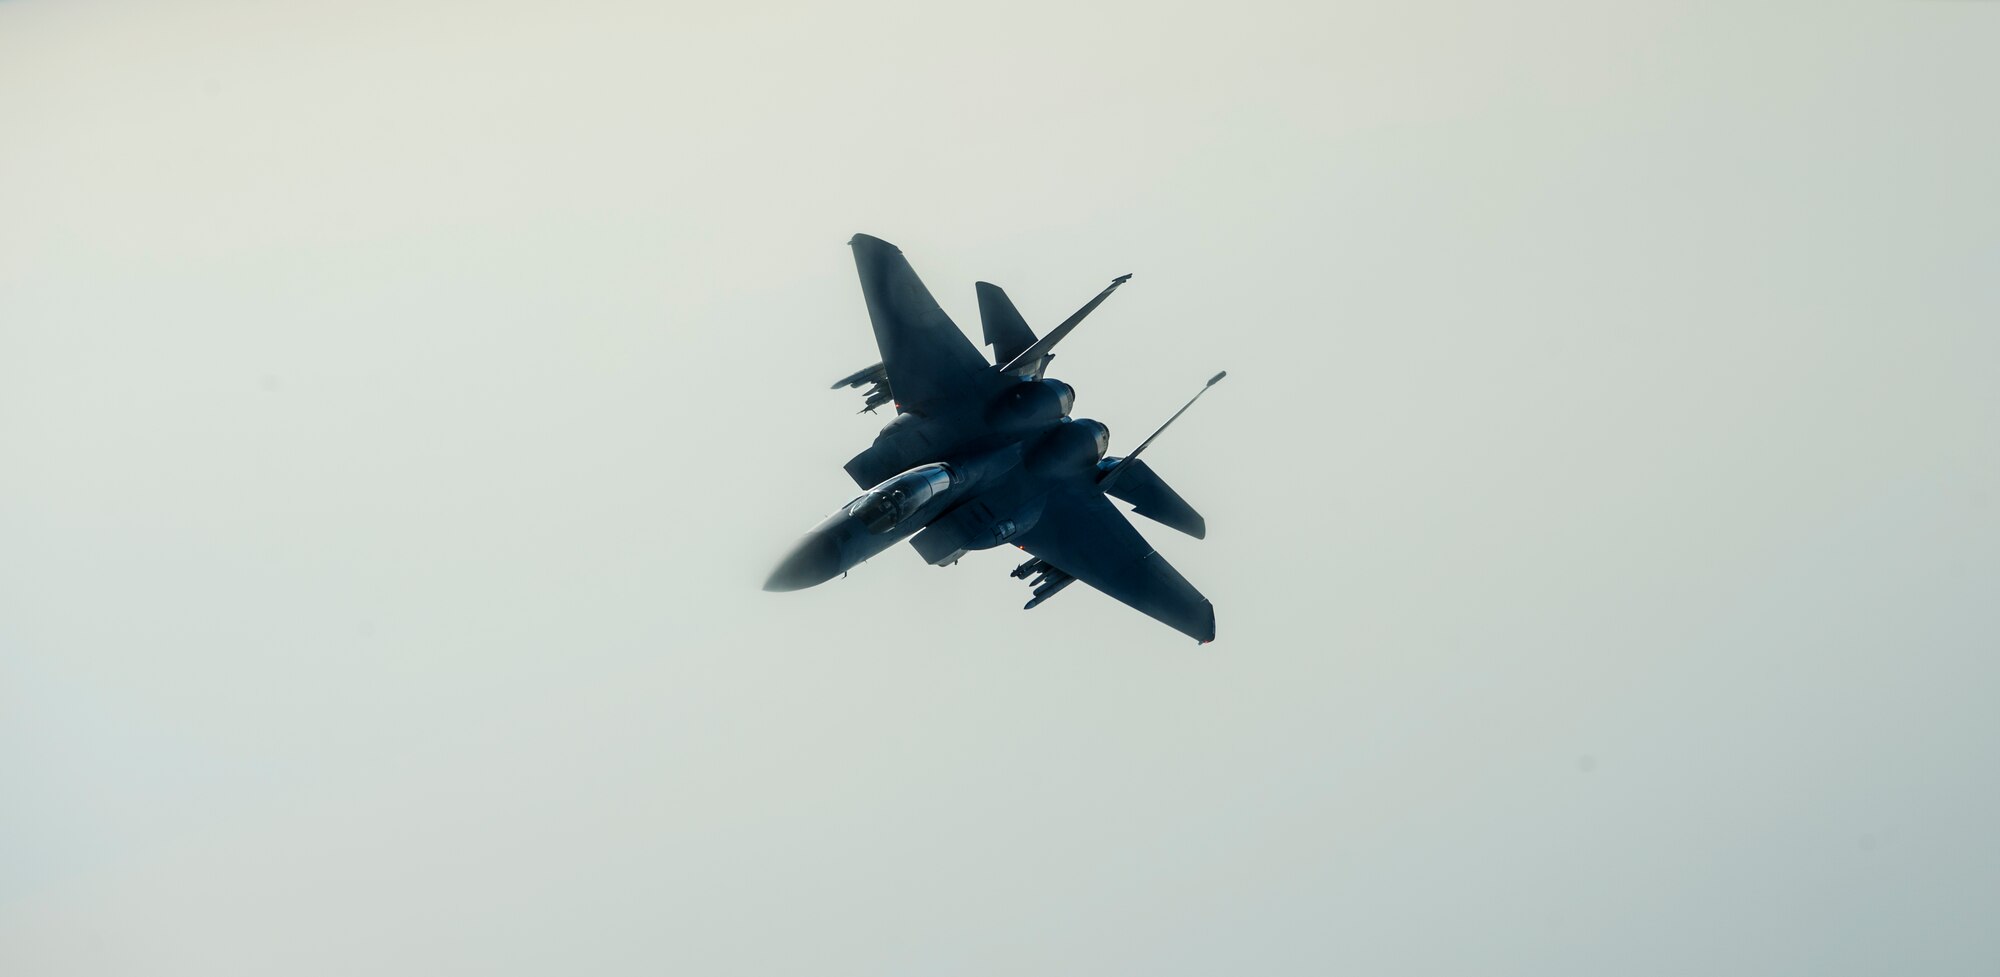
point(871, 241)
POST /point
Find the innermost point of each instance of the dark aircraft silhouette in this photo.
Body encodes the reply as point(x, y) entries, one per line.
point(981, 455)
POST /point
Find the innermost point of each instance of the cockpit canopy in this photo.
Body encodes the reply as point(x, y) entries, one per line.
point(897, 499)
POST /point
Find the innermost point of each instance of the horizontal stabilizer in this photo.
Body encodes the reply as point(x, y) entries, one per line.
point(1150, 496)
point(1006, 331)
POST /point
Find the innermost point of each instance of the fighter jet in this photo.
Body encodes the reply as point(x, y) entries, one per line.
point(994, 458)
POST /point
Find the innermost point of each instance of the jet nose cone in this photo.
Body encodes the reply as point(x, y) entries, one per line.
point(815, 560)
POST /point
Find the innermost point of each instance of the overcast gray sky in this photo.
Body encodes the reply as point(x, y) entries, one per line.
point(401, 403)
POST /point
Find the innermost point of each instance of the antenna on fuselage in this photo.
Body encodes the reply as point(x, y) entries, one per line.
point(1113, 472)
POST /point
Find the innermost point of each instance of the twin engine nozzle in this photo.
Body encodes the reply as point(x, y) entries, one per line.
point(1028, 406)
point(1074, 444)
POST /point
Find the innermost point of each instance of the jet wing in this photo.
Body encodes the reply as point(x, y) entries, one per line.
point(1082, 534)
point(927, 358)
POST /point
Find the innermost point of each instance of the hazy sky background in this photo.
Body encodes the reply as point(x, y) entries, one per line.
point(401, 403)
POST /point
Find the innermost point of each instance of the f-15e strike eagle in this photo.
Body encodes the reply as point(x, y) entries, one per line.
point(982, 454)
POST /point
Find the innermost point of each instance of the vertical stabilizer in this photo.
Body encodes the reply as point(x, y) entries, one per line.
point(1033, 360)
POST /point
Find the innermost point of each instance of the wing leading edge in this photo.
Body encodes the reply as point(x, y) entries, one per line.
point(1084, 535)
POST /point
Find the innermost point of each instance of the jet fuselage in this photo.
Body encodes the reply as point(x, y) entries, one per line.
point(984, 452)
point(972, 503)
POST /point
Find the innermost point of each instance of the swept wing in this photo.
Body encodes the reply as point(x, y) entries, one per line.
point(927, 359)
point(1081, 533)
